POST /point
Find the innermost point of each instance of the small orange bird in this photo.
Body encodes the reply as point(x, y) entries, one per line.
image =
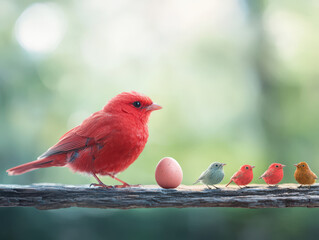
point(274, 174)
point(243, 177)
point(304, 175)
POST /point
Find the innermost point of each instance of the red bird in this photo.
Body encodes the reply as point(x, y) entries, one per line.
point(106, 143)
point(274, 174)
point(243, 177)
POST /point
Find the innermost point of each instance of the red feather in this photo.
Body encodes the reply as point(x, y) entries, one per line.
point(243, 177)
point(106, 143)
point(274, 173)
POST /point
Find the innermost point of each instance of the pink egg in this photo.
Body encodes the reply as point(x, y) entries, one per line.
point(168, 173)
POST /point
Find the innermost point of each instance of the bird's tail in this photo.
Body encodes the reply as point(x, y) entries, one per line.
point(229, 182)
point(196, 182)
point(52, 161)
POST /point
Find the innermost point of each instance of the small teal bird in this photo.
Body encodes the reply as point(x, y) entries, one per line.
point(213, 175)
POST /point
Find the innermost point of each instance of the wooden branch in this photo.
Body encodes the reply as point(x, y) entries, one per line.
point(52, 196)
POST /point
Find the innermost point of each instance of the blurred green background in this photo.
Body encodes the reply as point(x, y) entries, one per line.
point(238, 81)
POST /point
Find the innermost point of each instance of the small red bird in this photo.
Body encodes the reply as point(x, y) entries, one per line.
point(243, 177)
point(106, 143)
point(274, 174)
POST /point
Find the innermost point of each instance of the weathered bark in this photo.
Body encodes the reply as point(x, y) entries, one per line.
point(51, 196)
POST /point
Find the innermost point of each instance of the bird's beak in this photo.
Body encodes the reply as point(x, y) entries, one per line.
point(153, 107)
point(223, 164)
point(252, 166)
point(283, 165)
point(295, 165)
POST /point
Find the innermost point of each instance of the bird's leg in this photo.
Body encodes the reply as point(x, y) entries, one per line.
point(100, 184)
point(239, 186)
point(300, 186)
point(124, 183)
point(215, 187)
point(208, 187)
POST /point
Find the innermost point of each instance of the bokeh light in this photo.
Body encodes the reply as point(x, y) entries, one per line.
point(41, 27)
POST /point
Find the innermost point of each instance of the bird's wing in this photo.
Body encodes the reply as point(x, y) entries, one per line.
point(237, 175)
point(87, 134)
point(68, 143)
point(202, 176)
point(97, 126)
point(314, 175)
point(69, 133)
point(266, 174)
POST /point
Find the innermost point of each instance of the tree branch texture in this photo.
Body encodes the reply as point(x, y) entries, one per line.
point(53, 196)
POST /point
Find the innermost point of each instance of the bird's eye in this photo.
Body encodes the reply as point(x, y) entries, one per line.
point(303, 165)
point(276, 165)
point(247, 167)
point(137, 104)
point(216, 165)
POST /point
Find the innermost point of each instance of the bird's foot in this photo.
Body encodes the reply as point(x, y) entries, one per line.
point(301, 186)
point(216, 187)
point(100, 185)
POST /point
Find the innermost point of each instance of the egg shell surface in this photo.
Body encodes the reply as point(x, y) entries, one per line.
point(168, 173)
